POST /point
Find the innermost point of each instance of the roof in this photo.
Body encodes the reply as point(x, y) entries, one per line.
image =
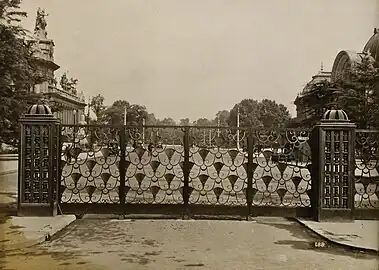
point(372, 45)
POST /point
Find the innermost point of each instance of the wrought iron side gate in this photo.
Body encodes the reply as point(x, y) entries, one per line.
point(184, 170)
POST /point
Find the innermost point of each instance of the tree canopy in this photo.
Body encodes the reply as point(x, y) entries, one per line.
point(355, 92)
point(18, 71)
point(259, 114)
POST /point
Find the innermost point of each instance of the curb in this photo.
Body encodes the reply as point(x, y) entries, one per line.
point(370, 250)
point(8, 172)
point(35, 242)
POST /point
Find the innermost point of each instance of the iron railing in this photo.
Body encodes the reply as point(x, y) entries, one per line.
point(196, 168)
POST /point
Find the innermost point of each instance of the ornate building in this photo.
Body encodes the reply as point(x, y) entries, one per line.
point(70, 105)
point(342, 63)
point(301, 109)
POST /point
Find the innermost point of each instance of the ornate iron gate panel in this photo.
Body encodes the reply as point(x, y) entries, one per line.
point(366, 174)
point(281, 183)
point(90, 174)
point(154, 161)
point(184, 170)
point(217, 167)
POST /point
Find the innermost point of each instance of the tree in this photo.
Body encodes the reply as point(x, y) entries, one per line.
point(202, 122)
point(355, 91)
point(18, 69)
point(114, 115)
point(185, 122)
point(167, 122)
point(249, 114)
point(259, 114)
point(151, 119)
point(98, 107)
point(358, 93)
point(273, 115)
point(222, 118)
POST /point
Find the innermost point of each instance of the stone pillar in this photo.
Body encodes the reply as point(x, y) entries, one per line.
point(333, 167)
point(38, 161)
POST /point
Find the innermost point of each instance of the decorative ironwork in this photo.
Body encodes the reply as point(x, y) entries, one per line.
point(366, 169)
point(36, 184)
point(89, 163)
point(147, 165)
point(281, 162)
point(154, 165)
point(217, 166)
point(336, 186)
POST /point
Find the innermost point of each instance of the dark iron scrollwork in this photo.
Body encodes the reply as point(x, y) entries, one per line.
point(367, 169)
point(217, 166)
point(89, 164)
point(154, 165)
point(282, 160)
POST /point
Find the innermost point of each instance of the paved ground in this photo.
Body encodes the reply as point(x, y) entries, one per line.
point(269, 243)
point(359, 233)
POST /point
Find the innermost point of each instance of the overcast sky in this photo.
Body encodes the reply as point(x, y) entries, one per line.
point(192, 58)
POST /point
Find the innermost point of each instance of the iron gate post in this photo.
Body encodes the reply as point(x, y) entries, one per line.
point(333, 168)
point(250, 172)
point(186, 172)
point(38, 163)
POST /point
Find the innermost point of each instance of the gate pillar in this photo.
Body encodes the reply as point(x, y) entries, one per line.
point(38, 163)
point(333, 167)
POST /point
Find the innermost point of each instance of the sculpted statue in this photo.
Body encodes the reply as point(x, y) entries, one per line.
point(64, 82)
point(69, 85)
point(41, 24)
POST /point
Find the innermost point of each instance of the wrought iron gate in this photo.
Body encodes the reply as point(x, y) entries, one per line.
point(184, 170)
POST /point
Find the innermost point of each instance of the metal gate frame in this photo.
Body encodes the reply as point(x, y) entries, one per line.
point(185, 209)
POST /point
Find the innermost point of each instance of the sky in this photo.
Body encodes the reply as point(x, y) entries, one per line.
point(193, 58)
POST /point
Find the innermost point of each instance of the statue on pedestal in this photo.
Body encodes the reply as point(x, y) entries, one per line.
point(40, 27)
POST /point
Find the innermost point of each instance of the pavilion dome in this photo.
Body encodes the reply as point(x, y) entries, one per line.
point(372, 46)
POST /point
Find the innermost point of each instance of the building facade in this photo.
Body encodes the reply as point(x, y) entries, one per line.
point(342, 63)
point(69, 105)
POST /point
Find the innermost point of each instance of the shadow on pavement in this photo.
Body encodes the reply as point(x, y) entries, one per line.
point(307, 239)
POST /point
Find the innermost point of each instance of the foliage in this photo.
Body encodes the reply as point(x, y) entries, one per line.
point(114, 115)
point(355, 92)
point(259, 114)
point(202, 122)
point(17, 69)
point(222, 118)
point(358, 95)
point(319, 97)
point(185, 122)
point(98, 107)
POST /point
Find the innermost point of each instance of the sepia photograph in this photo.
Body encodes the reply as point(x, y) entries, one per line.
point(189, 134)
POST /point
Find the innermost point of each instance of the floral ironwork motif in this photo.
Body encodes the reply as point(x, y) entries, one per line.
point(184, 165)
point(89, 164)
point(367, 169)
point(282, 160)
point(154, 165)
point(217, 166)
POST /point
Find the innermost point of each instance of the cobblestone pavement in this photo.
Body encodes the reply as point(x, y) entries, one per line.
point(268, 243)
